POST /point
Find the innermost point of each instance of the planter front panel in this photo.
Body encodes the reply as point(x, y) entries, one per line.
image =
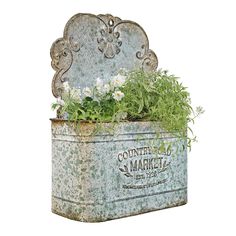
point(107, 176)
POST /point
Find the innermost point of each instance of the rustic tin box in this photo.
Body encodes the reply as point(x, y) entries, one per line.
point(103, 175)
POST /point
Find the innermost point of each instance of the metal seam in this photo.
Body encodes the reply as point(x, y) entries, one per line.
point(120, 200)
point(108, 141)
point(104, 135)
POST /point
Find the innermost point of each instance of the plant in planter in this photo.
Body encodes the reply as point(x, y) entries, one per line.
point(132, 96)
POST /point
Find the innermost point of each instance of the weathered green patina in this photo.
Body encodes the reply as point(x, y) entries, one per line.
point(107, 176)
point(99, 176)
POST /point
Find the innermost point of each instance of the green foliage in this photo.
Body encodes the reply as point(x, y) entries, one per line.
point(154, 96)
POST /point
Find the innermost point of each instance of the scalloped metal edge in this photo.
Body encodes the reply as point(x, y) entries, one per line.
point(62, 48)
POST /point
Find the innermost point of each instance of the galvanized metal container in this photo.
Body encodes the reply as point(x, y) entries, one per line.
point(106, 176)
point(98, 176)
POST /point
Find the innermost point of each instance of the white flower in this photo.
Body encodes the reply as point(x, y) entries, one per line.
point(87, 92)
point(106, 88)
point(60, 102)
point(118, 95)
point(66, 86)
point(99, 84)
point(123, 70)
point(118, 81)
point(76, 93)
point(124, 115)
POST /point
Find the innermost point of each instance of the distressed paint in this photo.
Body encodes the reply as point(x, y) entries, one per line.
point(91, 183)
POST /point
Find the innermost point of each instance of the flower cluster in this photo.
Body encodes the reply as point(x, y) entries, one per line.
point(75, 93)
point(101, 89)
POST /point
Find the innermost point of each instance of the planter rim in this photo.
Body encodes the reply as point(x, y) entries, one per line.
point(94, 122)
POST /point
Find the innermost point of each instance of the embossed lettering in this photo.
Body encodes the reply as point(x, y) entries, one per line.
point(133, 165)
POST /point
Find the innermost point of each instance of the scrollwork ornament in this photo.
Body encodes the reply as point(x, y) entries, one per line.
point(74, 45)
point(150, 61)
point(109, 36)
point(108, 42)
point(62, 58)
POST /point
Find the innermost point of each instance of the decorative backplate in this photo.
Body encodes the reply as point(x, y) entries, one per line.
point(98, 46)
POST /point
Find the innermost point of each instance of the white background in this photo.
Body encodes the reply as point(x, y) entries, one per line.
point(193, 39)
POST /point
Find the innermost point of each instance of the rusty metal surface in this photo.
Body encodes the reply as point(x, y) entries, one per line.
point(106, 176)
point(98, 46)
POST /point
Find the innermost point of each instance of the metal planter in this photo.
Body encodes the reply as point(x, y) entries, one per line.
point(103, 176)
